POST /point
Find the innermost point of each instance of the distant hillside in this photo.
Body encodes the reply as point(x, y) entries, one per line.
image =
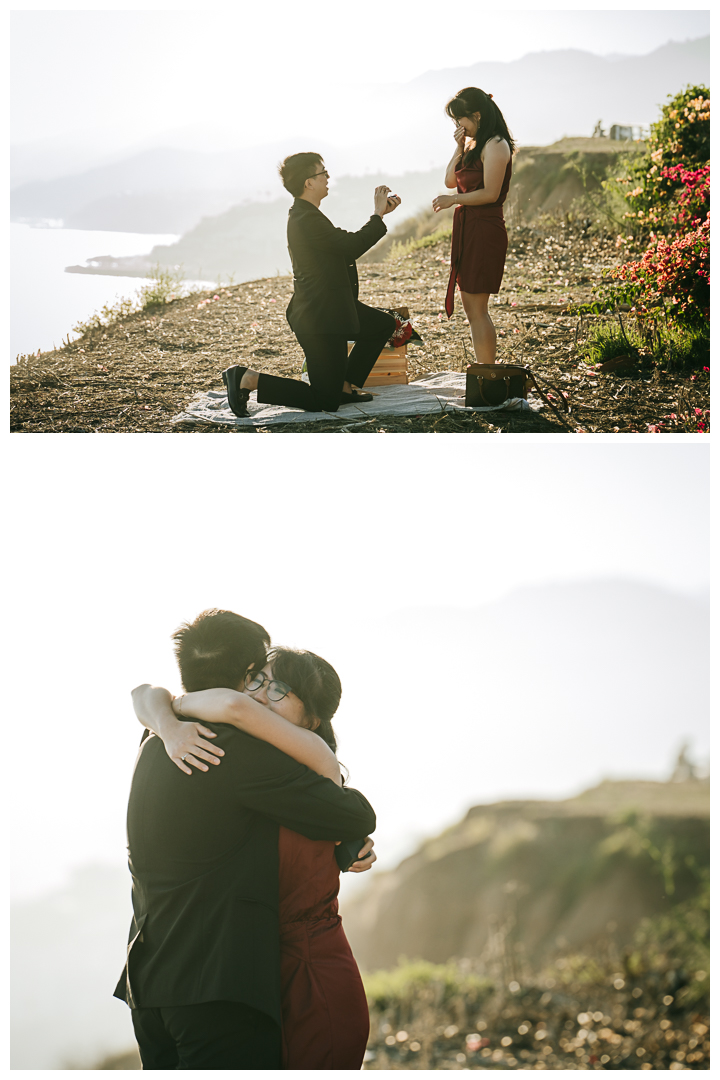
point(547, 95)
point(249, 241)
point(165, 189)
point(541, 878)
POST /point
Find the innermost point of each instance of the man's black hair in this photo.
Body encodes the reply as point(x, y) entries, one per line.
point(218, 648)
point(296, 169)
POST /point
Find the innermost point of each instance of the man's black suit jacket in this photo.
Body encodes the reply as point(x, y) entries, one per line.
point(204, 863)
point(326, 278)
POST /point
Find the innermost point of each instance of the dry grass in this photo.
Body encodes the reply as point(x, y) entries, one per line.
point(585, 1015)
point(135, 375)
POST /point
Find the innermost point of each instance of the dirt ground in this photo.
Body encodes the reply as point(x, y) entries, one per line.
point(135, 375)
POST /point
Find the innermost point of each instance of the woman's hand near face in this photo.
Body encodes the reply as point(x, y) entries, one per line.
point(443, 202)
point(459, 137)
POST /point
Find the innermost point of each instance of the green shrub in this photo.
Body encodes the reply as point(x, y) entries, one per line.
point(399, 250)
point(163, 287)
point(404, 985)
point(679, 145)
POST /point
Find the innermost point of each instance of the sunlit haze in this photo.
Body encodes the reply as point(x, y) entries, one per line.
point(114, 550)
point(249, 75)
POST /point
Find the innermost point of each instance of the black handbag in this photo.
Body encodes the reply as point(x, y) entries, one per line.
point(493, 384)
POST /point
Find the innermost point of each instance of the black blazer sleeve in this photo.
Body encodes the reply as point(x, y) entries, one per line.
point(259, 777)
point(322, 235)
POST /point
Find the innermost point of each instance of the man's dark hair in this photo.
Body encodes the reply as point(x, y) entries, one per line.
point(296, 169)
point(217, 649)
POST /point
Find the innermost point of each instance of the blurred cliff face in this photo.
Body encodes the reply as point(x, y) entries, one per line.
point(516, 884)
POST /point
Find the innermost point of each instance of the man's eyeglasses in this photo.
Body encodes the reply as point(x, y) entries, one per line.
point(323, 172)
point(276, 690)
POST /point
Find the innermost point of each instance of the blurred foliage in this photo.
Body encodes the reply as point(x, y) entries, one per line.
point(419, 980)
point(642, 1007)
point(402, 248)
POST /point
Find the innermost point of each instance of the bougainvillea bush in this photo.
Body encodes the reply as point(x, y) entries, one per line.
point(672, 178)
point(676, 271)
point(667, 194)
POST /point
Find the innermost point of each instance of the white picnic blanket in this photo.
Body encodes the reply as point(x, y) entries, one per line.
point(443, 392)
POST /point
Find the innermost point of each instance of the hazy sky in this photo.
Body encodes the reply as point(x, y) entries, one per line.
point(245, 69)
point(124, 538)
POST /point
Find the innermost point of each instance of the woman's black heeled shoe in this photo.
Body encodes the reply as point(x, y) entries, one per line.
point(237, 397)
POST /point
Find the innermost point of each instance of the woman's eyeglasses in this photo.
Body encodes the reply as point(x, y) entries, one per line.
point(276, 690)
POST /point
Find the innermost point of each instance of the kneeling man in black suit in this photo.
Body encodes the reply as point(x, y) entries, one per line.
point(202, 974)
point(324, 312)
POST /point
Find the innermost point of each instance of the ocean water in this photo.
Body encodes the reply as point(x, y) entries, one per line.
point(45, 302)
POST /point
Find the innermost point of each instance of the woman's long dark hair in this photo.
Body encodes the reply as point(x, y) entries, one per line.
point(492, 122)
point(314, 681)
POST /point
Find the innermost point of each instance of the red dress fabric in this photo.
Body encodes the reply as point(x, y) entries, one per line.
point(325, 1015)
point(479, 238)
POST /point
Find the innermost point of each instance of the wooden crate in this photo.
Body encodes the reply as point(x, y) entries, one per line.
point(398, 379)
point(390, 368)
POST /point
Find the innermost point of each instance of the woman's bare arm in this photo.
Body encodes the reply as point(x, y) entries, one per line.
point(450, 179)
point(185, 746)
point(459, 136)
point(185, 740)
point(221, 706)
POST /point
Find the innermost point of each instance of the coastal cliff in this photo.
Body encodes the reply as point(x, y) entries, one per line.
point(527, 881)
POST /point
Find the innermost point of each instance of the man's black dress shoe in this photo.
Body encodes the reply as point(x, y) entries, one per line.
point(237, 398)
point(354, 397)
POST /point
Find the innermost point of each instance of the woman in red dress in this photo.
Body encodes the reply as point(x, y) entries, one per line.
point(480, 171)
point(325, 1014)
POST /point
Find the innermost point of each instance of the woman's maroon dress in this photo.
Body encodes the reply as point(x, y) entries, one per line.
point(325, 1014)
point(479, 238)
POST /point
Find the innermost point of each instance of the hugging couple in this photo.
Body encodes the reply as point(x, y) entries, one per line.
point(239, 823)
